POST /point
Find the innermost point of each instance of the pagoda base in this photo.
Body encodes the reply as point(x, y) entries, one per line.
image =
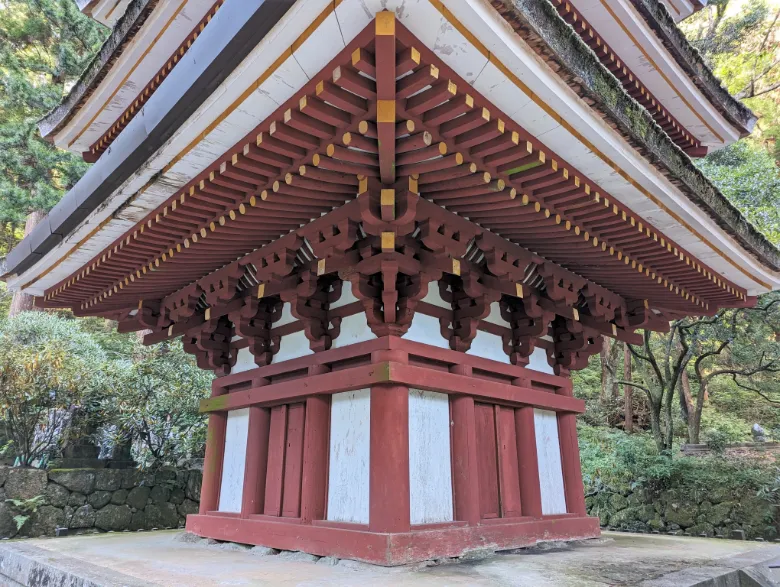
point(354, 541)
point(392, 451)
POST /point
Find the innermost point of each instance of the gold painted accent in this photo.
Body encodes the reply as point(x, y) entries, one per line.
point(519, 290)
point(385, 23)
point(260, 290)
point(207, 314)
point(362, 185)
point(388, 241)
point(576, 314)
point(387, 198)
point(385, 111)
point(321, 267)
point(456, 267)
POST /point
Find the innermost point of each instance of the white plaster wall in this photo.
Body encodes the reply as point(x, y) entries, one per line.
point(430, 468)
point(286, 316)
point(348, 481)
point(495, 315)
point(488, 346)
point(293, 346)
point(233, 464)
point(347, 297)
point(548, 451)
point(354, 329)
point(426, 329)
point(245, 361)
point(538, 361)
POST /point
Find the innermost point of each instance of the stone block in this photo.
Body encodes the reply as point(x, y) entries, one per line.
point(57, 495)
point(130, 478)
point(3, 475)
point(165, 476)
point(177, 496)
point(160, 494)
point(108, 479)
point(194, 482)
point(188, 507)
point(77, 499)
point(83, 517)
point(8, 527)
point(138, 521)
point(44, 522)
point(138, 497)
point(162, 515)
point(98, 499)
point(114, 517)
point(25, 483)
point(119, 497)
point(79, 480)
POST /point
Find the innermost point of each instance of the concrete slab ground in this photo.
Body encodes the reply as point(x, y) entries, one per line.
point(163, 558)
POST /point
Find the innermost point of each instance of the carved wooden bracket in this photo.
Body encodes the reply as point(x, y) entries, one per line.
point(253, 322)
point(211, 345)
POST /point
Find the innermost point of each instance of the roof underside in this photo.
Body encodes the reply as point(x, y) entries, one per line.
point(540, 25)
point(455, 147)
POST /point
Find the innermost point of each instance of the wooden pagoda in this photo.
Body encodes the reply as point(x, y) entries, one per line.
point(392, 236)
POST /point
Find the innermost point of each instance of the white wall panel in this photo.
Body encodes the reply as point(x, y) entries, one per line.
point(426, 329)
point(430, 468)
point(354, 329)
point(293, 346)
point(488, 346)
point(548, 451)
point(234, 461)
point(538, 361)
point(350, 437)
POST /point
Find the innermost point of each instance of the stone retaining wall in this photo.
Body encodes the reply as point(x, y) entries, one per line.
point(85, 500)
point(711, 513)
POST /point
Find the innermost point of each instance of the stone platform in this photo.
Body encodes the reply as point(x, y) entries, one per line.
point(163, 558)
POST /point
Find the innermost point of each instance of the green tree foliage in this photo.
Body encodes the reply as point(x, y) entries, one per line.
point(44, 47)
point(155, 404)
point(739, 41)
point(748, 175)
point(49, 368)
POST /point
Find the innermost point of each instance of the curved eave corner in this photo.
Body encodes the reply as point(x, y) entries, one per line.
point(122, 34)
point(541, 26)
point(688, 57)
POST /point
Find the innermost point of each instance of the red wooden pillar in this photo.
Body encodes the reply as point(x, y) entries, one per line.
point(256, 467)
point(570, 461)
point(465, 470)
point(212, 462)
point(530, 488)
point(389, 458)
point(315, 459)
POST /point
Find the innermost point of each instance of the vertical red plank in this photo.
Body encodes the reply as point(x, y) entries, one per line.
point(293, 461)
point(487, 460)
point(508, 472)
point(256, 461)
point(570, 461)
point(384, 47)
point(315, 459)
point(530, 488)
point(465, 476)
point(212, 462)
point(389, 459)
point(274, 476)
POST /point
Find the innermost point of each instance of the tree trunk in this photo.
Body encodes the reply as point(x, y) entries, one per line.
point(628, 393)
point(22, 302)
point(685, 388)
point(604, 370)
point(694, 422)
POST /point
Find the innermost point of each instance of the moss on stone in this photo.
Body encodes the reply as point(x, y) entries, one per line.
point(541, 20)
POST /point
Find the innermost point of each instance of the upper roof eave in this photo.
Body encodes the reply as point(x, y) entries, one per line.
point(122, 34)
point(543, 28)
point(690, 60)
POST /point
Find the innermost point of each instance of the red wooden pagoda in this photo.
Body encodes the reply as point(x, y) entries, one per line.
point(392, 236)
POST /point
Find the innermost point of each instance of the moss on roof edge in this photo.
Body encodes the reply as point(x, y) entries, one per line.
point(122, 34)
point(688, 57)
point(603, 89)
